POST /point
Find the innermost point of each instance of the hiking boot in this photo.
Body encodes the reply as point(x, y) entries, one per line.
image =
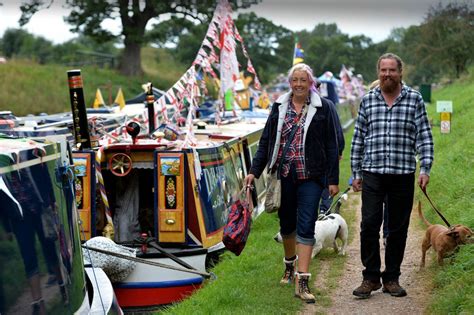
point(302, 288)
point(289, 275)
point(367, 286)
point(394, 289)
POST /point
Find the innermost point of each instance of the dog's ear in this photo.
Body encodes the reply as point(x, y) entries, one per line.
point(453, 233)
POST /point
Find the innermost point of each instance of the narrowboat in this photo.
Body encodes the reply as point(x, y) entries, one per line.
point(41, 261)
point(154, 192)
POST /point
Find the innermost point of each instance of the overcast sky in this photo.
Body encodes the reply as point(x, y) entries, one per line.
point(373, 18)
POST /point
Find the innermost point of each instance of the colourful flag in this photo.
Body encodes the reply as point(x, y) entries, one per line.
point(119, 99)
point(298, 56)
point(99, 100)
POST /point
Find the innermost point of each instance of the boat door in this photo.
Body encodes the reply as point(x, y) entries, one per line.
point(84, 184)
point(170, 217)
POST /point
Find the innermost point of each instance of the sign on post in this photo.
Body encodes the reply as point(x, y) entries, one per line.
point(445, 108)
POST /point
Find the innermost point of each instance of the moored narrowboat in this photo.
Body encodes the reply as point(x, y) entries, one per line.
point(41, 262)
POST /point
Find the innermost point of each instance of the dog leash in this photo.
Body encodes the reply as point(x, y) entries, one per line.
point(329, 211)
point(437, 211)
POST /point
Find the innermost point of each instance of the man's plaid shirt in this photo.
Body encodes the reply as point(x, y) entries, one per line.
point(386, 140)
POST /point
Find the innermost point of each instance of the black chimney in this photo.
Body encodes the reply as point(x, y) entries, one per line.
point(78, 108)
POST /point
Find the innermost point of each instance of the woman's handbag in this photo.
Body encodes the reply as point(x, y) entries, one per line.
point(237, 229)
point(273, 193)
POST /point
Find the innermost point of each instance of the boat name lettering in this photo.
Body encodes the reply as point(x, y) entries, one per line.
point(213, 176)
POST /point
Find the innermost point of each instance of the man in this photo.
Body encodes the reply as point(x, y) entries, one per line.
point(391, 128)
point(326, 198)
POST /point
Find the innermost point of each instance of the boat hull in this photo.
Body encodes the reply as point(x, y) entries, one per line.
point(149, 286)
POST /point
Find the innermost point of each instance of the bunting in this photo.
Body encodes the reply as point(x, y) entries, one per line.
point(217, 58)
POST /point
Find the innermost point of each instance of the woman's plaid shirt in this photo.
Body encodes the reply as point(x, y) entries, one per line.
point(295, 154)
point(387, 140)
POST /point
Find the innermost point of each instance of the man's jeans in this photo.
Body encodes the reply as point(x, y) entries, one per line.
point(399, 190)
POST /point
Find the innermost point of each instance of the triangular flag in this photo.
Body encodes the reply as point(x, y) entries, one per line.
point(99, 100)
point(119, 99)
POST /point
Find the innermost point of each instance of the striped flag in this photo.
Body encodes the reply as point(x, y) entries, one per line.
point(298, 56)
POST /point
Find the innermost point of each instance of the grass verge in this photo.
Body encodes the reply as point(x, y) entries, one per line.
point(452, 191)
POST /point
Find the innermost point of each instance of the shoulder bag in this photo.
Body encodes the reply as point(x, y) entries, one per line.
point(273, 189)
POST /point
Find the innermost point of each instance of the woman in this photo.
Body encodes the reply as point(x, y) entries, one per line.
point(308, 166)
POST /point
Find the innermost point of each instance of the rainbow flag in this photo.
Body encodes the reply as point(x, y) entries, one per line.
point(298, 55)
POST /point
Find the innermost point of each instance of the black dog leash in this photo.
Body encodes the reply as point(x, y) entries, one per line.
point(437, 211)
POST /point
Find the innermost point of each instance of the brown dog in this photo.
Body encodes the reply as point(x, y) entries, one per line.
point(443, 240)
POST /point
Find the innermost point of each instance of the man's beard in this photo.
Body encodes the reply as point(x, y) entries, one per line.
point(389, 85)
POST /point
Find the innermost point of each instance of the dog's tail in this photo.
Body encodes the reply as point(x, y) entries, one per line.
point(420, 213)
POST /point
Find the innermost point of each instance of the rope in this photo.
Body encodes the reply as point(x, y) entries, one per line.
point(103, 194)
point(148, 262)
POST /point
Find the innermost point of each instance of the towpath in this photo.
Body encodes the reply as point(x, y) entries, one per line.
point(416, 282)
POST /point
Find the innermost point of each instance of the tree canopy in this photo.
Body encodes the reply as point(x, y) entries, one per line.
point(87, 17)
point(440, 47)
point(447, 37)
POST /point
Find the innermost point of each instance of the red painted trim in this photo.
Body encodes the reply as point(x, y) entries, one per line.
point(129, 297)
point(216, 162)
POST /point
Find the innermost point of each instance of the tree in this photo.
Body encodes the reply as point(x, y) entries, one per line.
point(12, 41)
point(447, 37)
point(327, 49)
point(87, 17)
point(20, 43)
point(270, 46)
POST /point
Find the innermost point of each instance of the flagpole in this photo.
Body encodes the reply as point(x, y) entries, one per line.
point(298, 54)
point(294, 51)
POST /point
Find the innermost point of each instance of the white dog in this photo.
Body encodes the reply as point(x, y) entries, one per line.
point(327, 229)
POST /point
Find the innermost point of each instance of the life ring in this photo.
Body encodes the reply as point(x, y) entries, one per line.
point(120, 164)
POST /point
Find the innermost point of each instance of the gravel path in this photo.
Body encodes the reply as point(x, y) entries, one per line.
point(416, 282)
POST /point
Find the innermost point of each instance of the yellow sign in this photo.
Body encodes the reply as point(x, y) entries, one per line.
point(445, 122)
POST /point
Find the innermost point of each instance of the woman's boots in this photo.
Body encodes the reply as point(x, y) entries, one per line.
point(300, 279)
point(289, 275)
point(302, 287)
